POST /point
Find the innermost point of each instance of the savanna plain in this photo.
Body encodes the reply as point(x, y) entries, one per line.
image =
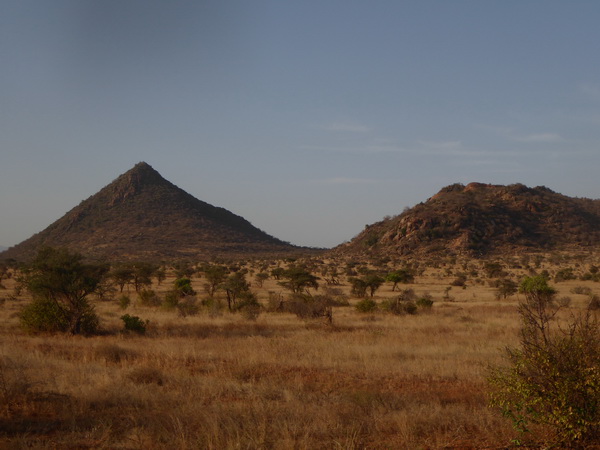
point(360, 373)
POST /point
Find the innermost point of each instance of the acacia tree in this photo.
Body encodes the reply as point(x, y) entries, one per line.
point(368, 282)
point(299, 279)
point(235, 285)
point(404, 276)
point(60, 282)
point(121, 275)
point(142, 274)
point(215, 275)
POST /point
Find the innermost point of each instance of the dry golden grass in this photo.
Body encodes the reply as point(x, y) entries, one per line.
point(221, 382)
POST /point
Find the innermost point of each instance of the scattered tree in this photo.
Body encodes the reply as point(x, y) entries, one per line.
point(215, 275)
point(369, 282)
point(235, 285)
point(404, 276)
point(506, 287)
point(60, 282)
point(298, 279)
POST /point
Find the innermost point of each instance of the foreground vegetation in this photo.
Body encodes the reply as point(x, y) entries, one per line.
point(281, 354)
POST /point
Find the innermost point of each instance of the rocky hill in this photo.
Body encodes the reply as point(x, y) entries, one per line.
point(140, 215)
point(483, 219)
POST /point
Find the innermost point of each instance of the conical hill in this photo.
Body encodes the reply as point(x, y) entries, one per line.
point(141, 215)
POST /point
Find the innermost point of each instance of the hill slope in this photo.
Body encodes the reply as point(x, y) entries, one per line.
point(141, 215)
point(481, 219)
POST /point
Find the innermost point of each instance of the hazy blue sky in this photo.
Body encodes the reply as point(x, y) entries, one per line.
point(308, 118)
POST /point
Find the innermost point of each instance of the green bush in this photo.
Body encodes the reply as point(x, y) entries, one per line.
point(553, 378)
point(564, 275)
point(134, 324)
point(367, 305)
point(46, 316)
point(398, 306)
point(425, 302)
point(124, 301)
point(60, 282)
point(148, 297)
point(583, 290)
point(171, 300)
point(188, 306)
point(306, 306)
point(408, 308)
point(184, 286)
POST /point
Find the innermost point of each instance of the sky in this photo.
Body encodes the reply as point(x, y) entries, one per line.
point(311, 119)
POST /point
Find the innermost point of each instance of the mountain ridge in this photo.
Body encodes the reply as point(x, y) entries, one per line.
point(481, 219)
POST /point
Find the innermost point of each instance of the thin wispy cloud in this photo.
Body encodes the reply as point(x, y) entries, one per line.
point(365, 149)
point(440, 145)
point(539, 137)
point(347, 127)
point(511, 135)
point(590, 90)
point(347, 180)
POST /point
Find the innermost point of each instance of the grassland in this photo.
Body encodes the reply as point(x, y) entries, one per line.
point(219, 380)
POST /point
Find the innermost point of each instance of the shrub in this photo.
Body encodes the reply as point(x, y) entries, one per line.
point(505, 287)
point(367, 305)
point(584, 290)
point(43, 315)
point(46, 316)
point(134, 324)
point(148, 297)
point(408, 308)
point(124, 301)
point(249, 307)
point(171, 300)
point(564, 275)
point(399, 306)
point(425, 302)
point(594, 303)
point(275, 302)
point(60, 283)
point(553, 377)
point(460, 280)
point(184, 286)
point(188, 306)
point(214, 306)
point(306, 306)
